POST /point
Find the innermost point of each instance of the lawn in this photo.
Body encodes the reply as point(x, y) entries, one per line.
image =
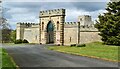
point(95, 50)
point(7, 61)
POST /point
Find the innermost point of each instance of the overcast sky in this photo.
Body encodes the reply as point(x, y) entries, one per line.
point(28, 11)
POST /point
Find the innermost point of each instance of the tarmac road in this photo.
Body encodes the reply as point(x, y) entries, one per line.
point(39, 56)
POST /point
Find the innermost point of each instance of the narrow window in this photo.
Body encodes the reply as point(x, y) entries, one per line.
point(70, 39)
point(80, 19)
point(36, 37)
point(57, 25)
point(42, 25)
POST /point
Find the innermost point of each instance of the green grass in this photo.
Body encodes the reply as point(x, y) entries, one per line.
point(7, 62)
point(0, 57)
point(95, 49)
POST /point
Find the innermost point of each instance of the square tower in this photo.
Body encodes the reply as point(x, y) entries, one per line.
point(85, 20)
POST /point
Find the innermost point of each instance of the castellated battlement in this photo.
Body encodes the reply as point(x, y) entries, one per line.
point(71, 24)
point(54, 12)
point(27, 25)
point(82, 27)
point(88, 28)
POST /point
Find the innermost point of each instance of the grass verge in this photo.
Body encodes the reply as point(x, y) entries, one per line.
point(94, 50)
point(7, 61)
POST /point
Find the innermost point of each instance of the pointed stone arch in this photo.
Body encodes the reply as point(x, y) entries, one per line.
point(50, 28)
point(52, 23)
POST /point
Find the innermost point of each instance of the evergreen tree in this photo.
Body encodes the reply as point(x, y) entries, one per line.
point(109, 24)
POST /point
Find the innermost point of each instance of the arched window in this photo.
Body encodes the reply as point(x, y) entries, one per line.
point(42, 25)
point(57, 25)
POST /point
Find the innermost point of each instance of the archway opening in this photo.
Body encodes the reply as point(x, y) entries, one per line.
point(50, 32)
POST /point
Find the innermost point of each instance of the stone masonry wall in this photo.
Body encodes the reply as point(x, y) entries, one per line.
point(32, 35)
point(71, 33)
point(88, 36)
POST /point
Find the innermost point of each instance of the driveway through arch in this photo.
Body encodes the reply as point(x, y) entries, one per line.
point(50, 33)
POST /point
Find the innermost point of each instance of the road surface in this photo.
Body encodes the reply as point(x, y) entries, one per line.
point(40, 56)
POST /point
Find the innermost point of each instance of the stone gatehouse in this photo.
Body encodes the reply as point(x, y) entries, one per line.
point(52, 28)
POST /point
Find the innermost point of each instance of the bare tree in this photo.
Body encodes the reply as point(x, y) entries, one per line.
point(4, 27)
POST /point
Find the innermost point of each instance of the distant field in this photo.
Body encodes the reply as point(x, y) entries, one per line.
point(95, 50)
point(7, 62)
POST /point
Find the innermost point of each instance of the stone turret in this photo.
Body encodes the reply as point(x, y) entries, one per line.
point(22, 26)
point(85, 20)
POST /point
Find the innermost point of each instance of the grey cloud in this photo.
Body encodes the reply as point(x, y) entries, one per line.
point(35, 6)
point(90, 6)
point(5, 13)
point(56, 0)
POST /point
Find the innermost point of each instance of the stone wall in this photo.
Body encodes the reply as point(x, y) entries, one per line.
point(31, 34)
point(71, 33)
point(70, 37)
point(89, 36)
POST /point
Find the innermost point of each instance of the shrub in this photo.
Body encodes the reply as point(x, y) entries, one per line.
point(58, 45)
point(81, 45)
point(18, 41)
point(40, 43)
point(25, 41)
point(72, 45)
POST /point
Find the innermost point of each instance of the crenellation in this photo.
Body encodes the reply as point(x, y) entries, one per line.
point(52, 12)
point(71, 23)
point(27, 25)
point(88, 28)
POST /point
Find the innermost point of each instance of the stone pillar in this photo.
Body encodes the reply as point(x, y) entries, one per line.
point(62, 30)
point(55, 36)
point(45, 37)
point(40, 31)
point(78, 32)
point(20, 31)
